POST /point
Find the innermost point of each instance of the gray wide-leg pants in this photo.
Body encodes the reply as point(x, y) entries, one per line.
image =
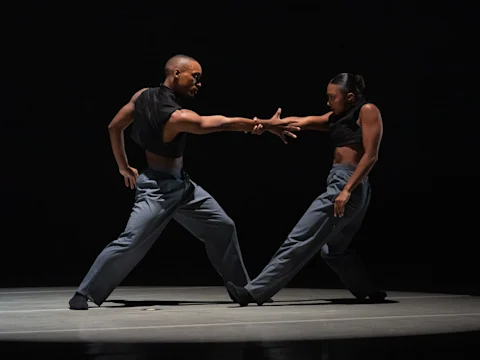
point(318, 230)
point(163, 194)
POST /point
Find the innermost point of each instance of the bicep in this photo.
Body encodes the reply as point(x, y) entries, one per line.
point(372, 129)
point(190, 122)
point(186, 121)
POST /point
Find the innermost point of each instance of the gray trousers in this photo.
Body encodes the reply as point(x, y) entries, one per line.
point(318, 230)
point(163, 194)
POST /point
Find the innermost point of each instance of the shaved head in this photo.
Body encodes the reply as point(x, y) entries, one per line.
point(180, 62)
point(182, 75)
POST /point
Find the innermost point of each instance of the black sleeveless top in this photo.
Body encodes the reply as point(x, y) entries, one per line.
point(344, 129)
point(153, 109)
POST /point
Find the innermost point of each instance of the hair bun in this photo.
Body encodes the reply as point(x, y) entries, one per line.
point(360, 82)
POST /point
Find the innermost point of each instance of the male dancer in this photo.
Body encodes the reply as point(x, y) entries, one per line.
point(332, 220)
point(164, 190)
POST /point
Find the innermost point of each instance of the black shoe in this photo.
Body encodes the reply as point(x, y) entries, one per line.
point(378, 296)
point(269, 301)
point(239, 294)
point(78, 302)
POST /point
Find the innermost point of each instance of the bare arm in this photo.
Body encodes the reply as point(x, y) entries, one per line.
point(119, 123)
point(372, 131)
point(314, 122)
point(190, 122)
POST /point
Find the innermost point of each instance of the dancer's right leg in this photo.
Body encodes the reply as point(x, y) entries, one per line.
point(312, 231)
point(158, 193)
point(346, 263)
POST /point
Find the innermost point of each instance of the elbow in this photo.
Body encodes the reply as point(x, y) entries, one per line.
point(112, 128)
point(371, 157)
point(115, 127)
point(225, 125)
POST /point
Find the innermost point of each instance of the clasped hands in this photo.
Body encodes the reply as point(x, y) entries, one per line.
point(277, 126)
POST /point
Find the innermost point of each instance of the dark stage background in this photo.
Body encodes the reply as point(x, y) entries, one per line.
point(70, 69)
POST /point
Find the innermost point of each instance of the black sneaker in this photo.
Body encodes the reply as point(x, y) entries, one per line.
point(269, 301)
point(239, 294)
point(78, 302)
point(378, 296)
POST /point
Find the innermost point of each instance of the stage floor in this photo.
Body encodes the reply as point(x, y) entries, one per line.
point(206, 314)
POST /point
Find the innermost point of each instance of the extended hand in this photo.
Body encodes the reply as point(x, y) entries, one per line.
point(258, 129)
point(340, 202)
point(282, 128)
point(130, 174)
point(277, 126)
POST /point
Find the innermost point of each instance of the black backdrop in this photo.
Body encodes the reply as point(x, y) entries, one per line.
point(70, 68)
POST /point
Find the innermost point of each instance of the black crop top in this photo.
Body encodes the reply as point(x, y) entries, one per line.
point(152, 110)
point(344, 129)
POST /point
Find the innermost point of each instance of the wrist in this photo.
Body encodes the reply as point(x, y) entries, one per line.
point(265, 123)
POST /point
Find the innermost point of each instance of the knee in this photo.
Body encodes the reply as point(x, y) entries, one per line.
point(337, 256)
point(330, 253)
point(222, 226)
point(324, 251)
point(227, 223)
point(125, 242)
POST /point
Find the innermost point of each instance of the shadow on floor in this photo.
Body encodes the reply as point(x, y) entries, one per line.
point(340, 301)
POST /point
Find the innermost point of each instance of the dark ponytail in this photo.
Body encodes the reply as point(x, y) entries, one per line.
point(350, 83)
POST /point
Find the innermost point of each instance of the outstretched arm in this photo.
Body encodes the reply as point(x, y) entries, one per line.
point(190, 122)
point(314, 122)
point(119, 123)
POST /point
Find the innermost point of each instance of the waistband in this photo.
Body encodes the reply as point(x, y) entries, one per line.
point(178, 173)
point(346, 167)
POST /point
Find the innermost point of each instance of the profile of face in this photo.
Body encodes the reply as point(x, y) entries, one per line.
point(187, 78)
point(339, 100)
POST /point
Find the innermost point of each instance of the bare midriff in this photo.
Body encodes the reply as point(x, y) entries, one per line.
point(158, 161)
point(348, 155)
